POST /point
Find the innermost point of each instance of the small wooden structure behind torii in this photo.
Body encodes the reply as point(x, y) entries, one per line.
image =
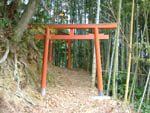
point(50, 36)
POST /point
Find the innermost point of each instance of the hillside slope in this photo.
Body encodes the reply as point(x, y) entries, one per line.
point(70, 93)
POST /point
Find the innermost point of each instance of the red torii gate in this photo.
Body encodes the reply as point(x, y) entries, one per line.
point(49, 36)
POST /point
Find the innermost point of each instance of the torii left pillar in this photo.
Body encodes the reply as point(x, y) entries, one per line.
point(45, 60)
point(98, 63)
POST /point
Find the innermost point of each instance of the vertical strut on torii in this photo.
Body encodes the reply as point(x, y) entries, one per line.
point(69, 37)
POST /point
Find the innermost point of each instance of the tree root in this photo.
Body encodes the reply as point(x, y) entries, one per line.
point(16, 77)
point(4, 87)
point(24, 82)
point(15, 67)
point(3, 59)
point(21, 95)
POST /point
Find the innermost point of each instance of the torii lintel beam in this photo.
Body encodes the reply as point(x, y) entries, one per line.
point(71, 37)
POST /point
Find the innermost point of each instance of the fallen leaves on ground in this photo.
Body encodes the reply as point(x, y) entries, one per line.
point(72, 94)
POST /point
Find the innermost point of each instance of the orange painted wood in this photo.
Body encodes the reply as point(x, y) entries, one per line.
point(51, 52)
point(78, 37)
point(77, 26)
point(45, 60)
point(73, 37)
point(68, 40)
point(71, 32)
point(69, 54)
point(98, 60)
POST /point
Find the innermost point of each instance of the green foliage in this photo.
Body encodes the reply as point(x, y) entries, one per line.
point(5, 22)
point(144, 4)
point(40, 45)
point(121, 83)
point(61, 46)
point(138, 93)
point(144, 109)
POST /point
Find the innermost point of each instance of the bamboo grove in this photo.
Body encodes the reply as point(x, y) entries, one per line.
point(125, 56)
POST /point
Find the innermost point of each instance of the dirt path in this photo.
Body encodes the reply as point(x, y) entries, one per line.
point(72, 94)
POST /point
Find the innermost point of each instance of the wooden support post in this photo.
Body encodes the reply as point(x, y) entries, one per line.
point(98, 62)
point(51, 52)
point(45, 60)
point(69, 53)
point(69, 48)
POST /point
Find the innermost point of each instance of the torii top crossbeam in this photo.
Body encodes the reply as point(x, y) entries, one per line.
point(81, 26)
point(96, 36)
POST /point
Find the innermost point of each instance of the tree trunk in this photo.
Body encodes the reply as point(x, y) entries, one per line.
point(24, 21)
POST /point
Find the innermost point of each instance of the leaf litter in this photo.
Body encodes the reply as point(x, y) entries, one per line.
point(71, 94)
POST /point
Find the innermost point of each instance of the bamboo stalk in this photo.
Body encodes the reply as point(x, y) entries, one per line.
point(110, 68)
point(147, 81)
point(129, 62)
point(107, 60)
point(137, 62)
point(116, 51)
point(94, 56)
